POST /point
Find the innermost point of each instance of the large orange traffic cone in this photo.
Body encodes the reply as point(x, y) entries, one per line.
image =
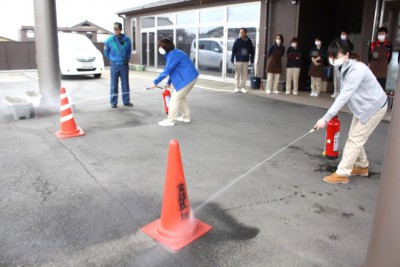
point(68, 126)
point(177, 227)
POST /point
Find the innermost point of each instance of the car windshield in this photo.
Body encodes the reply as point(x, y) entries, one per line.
point(74, 41)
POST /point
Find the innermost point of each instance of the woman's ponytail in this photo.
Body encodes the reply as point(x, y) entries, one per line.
point(354, 56)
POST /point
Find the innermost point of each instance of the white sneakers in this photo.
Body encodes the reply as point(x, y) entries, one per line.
point(182, 119)
point(334, 95)
point(314, 94)
point(168, 122)
point(269, 91)
point(237, 90)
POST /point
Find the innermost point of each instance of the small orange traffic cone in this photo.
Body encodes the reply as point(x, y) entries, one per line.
point(177, 227)
point(68, 126)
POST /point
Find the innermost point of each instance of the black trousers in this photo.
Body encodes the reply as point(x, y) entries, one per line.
point(382, 82)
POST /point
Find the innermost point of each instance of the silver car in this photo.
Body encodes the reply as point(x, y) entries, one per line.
point(210, 53)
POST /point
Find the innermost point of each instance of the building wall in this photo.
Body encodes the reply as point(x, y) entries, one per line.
point(366, 30)
point(136, 57)
point(27, 33)
point(17, 55)
point(285, 23)
point(284, 20)
point(22, 55)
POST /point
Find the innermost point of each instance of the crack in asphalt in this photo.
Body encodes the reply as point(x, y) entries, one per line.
point(95, 179)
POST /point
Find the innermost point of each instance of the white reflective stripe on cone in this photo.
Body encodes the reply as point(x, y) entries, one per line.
point(67, 118)
point(64, 107)
point(62, 96)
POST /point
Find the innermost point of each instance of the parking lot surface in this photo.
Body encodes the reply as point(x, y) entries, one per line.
point(252, 173)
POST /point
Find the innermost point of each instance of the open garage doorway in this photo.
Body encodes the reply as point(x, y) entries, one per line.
point(326, 18)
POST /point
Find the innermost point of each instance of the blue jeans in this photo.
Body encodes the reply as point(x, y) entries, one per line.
point(119, 71)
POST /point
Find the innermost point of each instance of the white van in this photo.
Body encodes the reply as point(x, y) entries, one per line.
point(210, 53)
point(79, 56)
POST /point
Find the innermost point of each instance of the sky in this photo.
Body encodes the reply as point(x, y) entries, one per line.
point(17, 13)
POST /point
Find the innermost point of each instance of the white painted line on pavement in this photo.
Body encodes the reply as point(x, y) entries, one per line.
point(32, 75)
point(213, 89)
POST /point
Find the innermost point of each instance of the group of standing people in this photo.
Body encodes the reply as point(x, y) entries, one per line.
point(380, 53)
point(118, 50)
point(361, 86)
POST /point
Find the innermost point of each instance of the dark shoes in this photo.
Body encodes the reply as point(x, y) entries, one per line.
point(127, 105)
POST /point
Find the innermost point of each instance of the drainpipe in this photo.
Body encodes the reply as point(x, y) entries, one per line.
point(267, 33)
point(375, 20)
point(384, 243)
point(123, 21)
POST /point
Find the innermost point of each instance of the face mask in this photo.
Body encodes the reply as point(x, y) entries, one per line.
point(317, 43)
point(278, 41)
point(343, 37)
point(337, 62)
point(381, 38)
point(294, 45)
point(162, 51)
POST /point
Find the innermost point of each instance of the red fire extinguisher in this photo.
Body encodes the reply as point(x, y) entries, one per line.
point(332, 139)
point(166, 95)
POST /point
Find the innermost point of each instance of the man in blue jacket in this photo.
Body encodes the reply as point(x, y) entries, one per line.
point(243, 51)
point(117, 49)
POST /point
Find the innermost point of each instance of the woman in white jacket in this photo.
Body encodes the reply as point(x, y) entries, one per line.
point(360, 90)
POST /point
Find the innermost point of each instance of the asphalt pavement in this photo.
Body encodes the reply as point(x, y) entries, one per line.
point(252, 170)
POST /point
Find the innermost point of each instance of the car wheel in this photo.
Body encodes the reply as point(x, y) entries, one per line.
point(97, 75)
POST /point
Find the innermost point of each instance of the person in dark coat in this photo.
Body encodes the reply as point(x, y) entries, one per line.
point(318, 58)
point(242, 54)
point(293, 67)
point(274, 65)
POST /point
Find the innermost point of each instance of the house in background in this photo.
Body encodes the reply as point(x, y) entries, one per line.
point(102, 34)
point(4, 39)
point(22, 54)
point(94, 32)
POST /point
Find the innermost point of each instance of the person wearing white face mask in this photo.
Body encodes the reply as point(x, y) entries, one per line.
point(274, 65)
point(380, 54)
point(344, 35)
point(362, 93)
point(182, 74)
point(293, 66)
point(316, 71)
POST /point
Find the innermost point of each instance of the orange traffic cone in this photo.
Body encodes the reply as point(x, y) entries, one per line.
point(177, 227)
point(68, 126)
